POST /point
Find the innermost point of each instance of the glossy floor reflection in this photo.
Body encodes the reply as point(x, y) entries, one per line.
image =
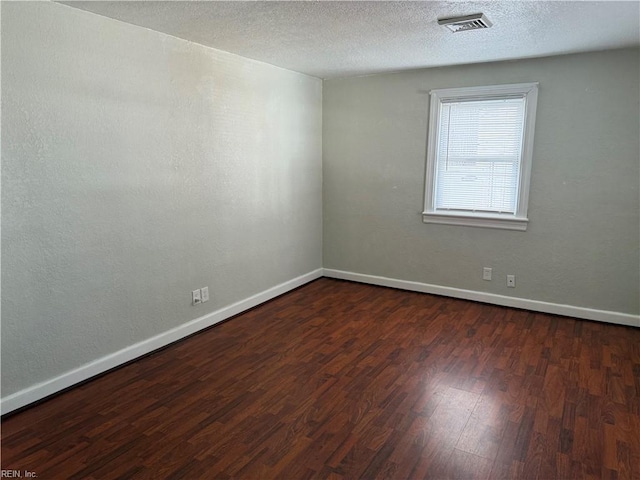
point(343, 380)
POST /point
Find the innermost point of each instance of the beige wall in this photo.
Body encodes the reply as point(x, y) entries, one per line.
point(581, 246)
point(137, 167)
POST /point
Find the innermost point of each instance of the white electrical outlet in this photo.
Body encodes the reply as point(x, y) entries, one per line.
point(486, 273)
point(195, 297)
point(204, 294)
point(511, 281)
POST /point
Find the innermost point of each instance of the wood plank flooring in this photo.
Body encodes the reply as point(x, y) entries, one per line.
point(342, 380)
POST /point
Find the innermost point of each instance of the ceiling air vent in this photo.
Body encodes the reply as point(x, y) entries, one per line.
point(462, 24)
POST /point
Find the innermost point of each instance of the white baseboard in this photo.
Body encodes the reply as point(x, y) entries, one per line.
point(85, 372)
point(66, 380)
point(535, 305)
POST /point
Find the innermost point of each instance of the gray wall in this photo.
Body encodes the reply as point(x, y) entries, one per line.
point(581, 246)
point(137, 167)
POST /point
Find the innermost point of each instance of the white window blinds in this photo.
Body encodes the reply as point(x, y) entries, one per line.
point(479, 155)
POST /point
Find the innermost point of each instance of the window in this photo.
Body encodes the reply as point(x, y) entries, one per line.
point(479, 156)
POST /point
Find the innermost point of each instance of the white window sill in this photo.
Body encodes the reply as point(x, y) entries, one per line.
point(478, 220)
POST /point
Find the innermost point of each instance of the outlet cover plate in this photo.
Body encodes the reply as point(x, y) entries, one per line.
point(195, 297)
point(486, 273)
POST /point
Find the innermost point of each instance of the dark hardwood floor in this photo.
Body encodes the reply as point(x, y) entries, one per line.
point(342, 380)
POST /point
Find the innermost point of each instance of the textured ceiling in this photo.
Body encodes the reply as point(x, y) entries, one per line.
point(333, 39)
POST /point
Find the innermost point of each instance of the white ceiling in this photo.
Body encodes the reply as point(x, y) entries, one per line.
point(334, 39)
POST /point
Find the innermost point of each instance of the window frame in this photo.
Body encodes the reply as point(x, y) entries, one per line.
point(509, 221)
